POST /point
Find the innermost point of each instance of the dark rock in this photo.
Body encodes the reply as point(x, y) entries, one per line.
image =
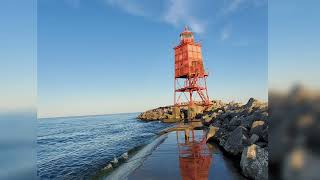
point(223, 139)
point(265, 134)
point(261, 114)
point(254, 138)
point(262, 144)
point(247, 121)
point(253, 104)
point(244, 113)
point(228, 115)
point(235, 121)
point(184, 113)
point(254, 162)
point(231, 128)
point(237, 141)
point(198, 116)
point(221, 136)
point(216, 122)
point(225, 123)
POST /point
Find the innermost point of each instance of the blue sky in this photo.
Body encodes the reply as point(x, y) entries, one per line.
point(18, 54)
point(294, 43)
point(112, 56)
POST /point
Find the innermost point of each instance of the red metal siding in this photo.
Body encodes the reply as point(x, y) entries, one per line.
point(188, 60)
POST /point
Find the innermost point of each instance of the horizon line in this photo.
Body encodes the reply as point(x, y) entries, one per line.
point(75, 116)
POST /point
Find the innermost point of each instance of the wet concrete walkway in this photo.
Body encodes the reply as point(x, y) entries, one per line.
point(178, 157)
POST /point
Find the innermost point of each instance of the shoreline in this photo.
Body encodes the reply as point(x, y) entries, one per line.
point(240, 130)
point(83, 116)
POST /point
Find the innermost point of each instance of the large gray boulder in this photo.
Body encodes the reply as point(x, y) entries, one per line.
point(237, 141)
point(254, 162)
point(220, 135)
point(254, 138)
point(217, 122)
point(248, 120)
point(234, 123)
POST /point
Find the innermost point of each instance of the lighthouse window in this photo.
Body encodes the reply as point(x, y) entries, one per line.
point(187, 35)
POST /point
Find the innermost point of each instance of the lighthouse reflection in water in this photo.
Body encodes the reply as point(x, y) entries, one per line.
point(183, 158)
point(194, 155)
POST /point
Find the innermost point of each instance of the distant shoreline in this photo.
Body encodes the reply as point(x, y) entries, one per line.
point(80, 116)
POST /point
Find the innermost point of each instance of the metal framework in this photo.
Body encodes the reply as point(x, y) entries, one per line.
point(194, 90)
point(190, 76)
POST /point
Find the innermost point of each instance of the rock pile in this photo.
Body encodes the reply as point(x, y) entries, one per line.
point(165, 114)
point(242, 130)
point(158, 114)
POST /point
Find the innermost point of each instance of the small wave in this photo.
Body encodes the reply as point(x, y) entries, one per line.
point(85, 145)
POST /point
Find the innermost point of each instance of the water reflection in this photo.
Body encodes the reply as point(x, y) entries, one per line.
point(188, 158)
point(194, 155)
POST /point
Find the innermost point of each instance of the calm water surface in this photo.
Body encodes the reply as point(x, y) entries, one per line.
point(79, 147)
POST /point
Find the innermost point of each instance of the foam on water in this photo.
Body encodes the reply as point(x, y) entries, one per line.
point(133, 163)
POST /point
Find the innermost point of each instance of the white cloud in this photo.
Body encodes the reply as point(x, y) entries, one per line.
point(176, 12)
point(235, 5)
point(227, 35)
point(180, 14)
point(130, 7)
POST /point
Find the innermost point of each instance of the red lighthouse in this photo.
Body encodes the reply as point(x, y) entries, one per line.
point(190, 76)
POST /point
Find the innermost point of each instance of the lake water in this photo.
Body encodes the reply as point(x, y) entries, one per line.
point(79, 147)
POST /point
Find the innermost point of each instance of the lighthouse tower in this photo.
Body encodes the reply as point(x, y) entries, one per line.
point(190, 87)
